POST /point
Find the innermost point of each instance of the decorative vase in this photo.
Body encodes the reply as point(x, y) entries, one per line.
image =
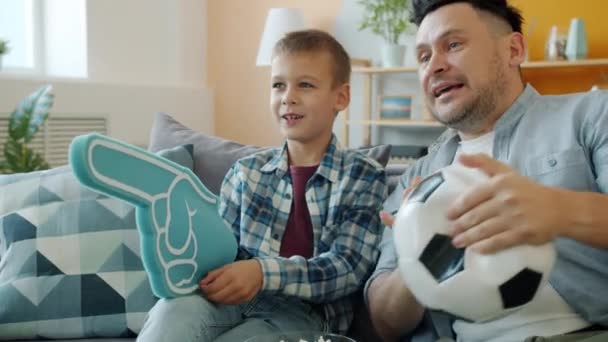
point(576, 46)
point(555, 48)
point(392, 55)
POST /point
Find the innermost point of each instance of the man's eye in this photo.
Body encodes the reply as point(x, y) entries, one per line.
point(453, 45)
point(423, 58)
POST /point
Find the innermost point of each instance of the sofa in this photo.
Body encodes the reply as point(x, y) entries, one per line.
point(69, 257)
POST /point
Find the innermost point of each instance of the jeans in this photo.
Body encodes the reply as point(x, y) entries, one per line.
point(194, 319)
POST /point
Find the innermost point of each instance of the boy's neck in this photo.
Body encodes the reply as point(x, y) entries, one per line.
point(307, 153)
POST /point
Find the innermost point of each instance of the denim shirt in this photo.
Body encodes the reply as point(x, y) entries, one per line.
point(344, 197)
point(559, 141)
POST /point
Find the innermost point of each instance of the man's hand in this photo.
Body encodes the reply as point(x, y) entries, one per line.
point(507, 210)
point(234, 283)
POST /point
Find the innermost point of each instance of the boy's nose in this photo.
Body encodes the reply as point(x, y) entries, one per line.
point(289, 98)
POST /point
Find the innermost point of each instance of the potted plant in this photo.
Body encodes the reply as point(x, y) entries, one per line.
point(24, 122)
point(388, 19)
point(3, 50)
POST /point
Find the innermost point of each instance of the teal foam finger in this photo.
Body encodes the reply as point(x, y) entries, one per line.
point(182, 235)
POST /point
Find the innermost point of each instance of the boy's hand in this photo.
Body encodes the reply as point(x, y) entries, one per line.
point(235, 283)
point(386, 217)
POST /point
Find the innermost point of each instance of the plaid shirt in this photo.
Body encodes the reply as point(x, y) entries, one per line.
point(344, 197)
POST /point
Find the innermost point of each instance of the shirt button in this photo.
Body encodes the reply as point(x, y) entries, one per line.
point(275, 236)
point(552, 162)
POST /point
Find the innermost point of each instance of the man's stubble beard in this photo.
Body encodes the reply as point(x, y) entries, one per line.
point(479, 112)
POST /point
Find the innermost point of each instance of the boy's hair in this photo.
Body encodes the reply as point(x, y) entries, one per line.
point(499, 8)
point(317, 41)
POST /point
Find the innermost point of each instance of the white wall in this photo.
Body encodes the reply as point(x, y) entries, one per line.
point(130, 108)
point(147, 41)
point(144, 56)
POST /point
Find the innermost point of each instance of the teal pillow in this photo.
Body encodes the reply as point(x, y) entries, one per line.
point(70, 263)
point(183, 236)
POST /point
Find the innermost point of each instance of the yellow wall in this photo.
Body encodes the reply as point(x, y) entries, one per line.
point(560, 12)
point(241, 88)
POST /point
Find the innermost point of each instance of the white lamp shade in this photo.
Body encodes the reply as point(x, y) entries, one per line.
point(278, 22)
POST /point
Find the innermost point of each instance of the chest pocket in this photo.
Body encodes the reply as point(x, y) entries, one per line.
point(567, 169)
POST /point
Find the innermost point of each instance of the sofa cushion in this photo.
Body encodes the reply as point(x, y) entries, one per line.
point(69, 259)
point(213, 156)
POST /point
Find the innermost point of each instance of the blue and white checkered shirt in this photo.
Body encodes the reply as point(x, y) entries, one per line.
point(344, 197)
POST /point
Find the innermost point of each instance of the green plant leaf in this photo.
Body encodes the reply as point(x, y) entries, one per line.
point(386, 18)
point(30, 114)
point(25, 121)
point(20, 158)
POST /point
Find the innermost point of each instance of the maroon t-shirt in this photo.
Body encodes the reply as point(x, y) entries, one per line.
point(297, 239)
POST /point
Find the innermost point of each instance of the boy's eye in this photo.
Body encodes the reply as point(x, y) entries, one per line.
point(277, 85)
point(306, 85)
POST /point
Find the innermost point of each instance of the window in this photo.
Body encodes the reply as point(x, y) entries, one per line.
point(46, 37)
point(17, 26)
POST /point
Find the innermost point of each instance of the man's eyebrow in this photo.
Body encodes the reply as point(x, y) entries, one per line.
point(441, 36)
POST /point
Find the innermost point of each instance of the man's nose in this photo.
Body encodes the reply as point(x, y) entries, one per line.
point(438, 63)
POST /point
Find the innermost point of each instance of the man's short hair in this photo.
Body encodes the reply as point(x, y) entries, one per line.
point(317, 41)
point(499, 8)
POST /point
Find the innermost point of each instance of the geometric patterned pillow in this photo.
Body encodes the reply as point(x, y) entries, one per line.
point(70, 262)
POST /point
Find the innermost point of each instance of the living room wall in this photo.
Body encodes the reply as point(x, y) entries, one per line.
point(143, 57)
point(242, 89)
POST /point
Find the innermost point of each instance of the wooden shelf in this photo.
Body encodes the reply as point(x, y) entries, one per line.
point(565, 64)
point(527, 65)
point(396, 123)
point(382, 70)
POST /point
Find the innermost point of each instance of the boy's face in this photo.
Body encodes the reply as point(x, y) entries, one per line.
point(304, 99)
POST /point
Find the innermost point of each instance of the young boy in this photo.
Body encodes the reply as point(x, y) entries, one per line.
point(305, 215)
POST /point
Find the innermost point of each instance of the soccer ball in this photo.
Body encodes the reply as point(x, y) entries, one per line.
point(457, 281)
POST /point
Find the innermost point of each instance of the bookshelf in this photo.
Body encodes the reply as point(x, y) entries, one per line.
point(364, 68)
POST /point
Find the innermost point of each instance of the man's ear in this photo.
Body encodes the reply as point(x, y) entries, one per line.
point(517, 49)
point(343, 99)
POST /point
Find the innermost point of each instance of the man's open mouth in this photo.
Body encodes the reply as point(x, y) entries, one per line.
point(445, 89)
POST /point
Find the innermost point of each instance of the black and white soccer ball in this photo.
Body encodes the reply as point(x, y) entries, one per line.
point(461, 282)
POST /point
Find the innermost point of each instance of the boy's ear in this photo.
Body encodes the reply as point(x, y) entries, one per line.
point(343, 99)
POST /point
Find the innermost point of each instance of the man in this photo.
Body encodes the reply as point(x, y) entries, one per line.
point(548, 174)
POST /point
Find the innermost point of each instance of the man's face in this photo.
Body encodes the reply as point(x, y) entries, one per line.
point(303, 99)
point(461, 66)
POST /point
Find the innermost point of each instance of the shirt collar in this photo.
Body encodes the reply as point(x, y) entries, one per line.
point(512, 116)
point(328, 168)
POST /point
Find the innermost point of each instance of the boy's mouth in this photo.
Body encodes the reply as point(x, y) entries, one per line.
point(291, 117)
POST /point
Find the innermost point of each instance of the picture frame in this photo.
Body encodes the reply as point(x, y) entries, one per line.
point(395, 107)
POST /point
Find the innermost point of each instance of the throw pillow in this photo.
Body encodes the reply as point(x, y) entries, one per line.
point(213, 156)
point(70, 262)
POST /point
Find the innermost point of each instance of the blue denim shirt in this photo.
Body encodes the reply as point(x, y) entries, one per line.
point(344, 197)
point(557, 140)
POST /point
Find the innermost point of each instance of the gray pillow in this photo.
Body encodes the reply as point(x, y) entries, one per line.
point(213, 156)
